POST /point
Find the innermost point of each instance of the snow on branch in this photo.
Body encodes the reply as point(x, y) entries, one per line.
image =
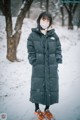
point(22, 7)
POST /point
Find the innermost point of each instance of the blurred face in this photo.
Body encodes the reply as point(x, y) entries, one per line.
point(44, 22)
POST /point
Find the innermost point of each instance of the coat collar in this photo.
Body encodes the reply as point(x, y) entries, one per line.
point(49, 32)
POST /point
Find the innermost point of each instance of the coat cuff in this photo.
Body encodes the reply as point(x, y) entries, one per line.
point(32, 60)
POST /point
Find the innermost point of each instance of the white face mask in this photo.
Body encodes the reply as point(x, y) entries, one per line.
point(44, 26)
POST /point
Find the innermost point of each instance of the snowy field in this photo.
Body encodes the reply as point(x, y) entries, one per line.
point(15, 77)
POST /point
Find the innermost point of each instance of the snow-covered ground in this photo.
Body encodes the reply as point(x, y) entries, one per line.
point(15, 77)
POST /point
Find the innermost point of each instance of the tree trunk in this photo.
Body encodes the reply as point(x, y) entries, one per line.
point(47, 5)
point(11, 49)
point(14, 38)
point(70, 18)
point(19, 22)
point(10, 43)
point(62, 13)
point(1, 6)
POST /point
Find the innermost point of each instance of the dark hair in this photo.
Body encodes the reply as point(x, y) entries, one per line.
point(46, 15)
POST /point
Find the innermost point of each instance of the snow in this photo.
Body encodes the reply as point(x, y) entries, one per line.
point(15, 77)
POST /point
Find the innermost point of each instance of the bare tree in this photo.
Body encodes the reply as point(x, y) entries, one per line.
point(71, 8)
point(13, 35)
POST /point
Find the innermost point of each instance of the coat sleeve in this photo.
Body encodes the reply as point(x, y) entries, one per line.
point(58, 51)
point(31, 50)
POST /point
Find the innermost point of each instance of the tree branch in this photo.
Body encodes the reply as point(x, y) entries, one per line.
point(22, 13)
point(74, 8)
point(66, 7)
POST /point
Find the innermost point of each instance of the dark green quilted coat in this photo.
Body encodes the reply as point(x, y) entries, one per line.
point(44, 54)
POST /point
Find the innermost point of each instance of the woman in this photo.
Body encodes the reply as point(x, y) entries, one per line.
point(44, 54)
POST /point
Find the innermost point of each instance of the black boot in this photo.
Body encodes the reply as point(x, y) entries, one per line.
point(36, 106)
point(47, 107)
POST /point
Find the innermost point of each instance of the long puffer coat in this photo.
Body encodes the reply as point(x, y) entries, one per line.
point(44, 54)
